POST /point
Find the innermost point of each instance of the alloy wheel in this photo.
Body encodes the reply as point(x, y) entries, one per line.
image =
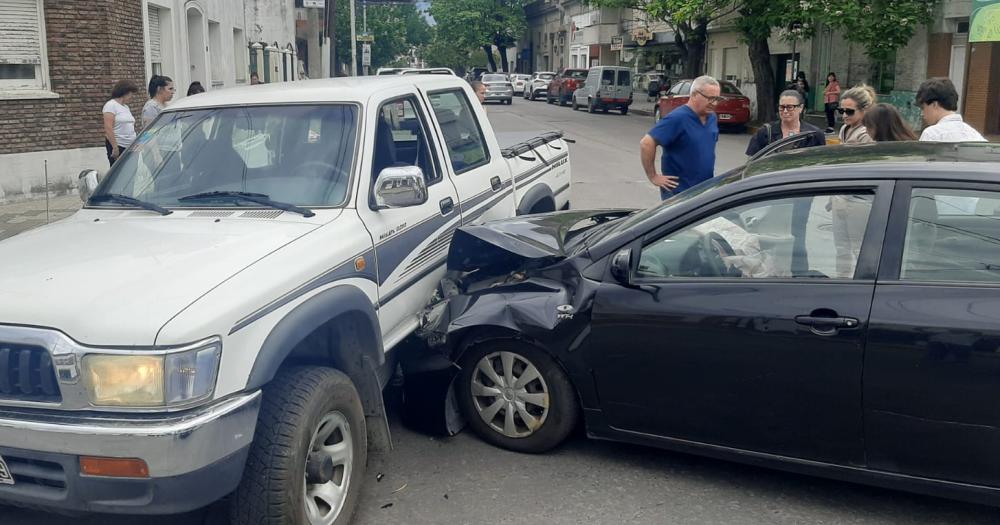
point(510, 394)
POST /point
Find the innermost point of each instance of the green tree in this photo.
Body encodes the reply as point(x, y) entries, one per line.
point(688, 18)
point(882, 26)
point(384, 23)
point(480, 24)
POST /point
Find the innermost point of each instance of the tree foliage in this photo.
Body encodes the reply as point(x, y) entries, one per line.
point(480, 24)
point(384, 24)
point(881, 26)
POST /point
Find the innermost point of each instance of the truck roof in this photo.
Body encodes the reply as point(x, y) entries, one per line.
point(346, 89)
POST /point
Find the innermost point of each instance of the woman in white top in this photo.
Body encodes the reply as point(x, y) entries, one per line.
point(161, 91)
point(119, 123)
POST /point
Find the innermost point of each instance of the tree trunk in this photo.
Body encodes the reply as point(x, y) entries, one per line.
point(489, 56)
point(763, 75)
point(695, 43)
point(503, 58)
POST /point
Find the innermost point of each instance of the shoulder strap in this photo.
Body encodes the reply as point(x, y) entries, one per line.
point(768, 127)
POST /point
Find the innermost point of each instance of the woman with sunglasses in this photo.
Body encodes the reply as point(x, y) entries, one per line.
point(790, 106)
point(853, 104)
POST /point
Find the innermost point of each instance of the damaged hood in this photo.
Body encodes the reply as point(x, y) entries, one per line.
point(531, 241)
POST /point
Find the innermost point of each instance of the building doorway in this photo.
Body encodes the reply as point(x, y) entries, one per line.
point(956, 70)
point(197, 47)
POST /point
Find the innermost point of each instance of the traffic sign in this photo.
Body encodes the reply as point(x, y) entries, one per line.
point(366, 38)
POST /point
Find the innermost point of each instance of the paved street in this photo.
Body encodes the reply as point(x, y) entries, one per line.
point(462, 480)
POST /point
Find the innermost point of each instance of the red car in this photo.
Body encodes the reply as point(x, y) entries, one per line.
point(732, 110)
point(562, 87)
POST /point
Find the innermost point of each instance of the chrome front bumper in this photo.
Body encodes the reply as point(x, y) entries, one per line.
point(171, 444)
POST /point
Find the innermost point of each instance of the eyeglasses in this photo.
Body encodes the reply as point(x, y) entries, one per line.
point(711, 100)
point(848, 111)
point(790, 107)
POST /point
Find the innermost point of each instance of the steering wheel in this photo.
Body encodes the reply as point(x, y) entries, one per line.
point(714, 248)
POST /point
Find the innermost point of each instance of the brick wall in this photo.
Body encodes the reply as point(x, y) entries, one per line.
point(982, 88)
point(939, 55)
point(91, 45)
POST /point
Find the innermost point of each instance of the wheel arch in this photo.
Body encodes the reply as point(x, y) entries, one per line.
point(337, 328)
point(539, 194)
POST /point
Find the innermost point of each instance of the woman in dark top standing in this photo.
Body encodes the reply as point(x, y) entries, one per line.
point(790, 107)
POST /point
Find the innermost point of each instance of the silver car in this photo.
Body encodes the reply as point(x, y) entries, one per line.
point(498, 88)
point(538, 86)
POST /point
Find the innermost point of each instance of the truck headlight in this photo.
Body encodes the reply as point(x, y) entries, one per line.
point(143, 380)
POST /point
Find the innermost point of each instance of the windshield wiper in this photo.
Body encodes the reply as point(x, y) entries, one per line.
point(257, 198)
point(131, 201)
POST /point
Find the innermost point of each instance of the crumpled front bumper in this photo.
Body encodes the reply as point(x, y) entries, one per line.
point(194, 457)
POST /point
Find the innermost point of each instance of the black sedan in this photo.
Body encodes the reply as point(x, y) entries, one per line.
point(833, 311)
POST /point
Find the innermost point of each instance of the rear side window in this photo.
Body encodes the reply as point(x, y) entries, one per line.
point(952, 235)
point(624, 78)
point(608, 77)
point(463, 138)
point(729, 89)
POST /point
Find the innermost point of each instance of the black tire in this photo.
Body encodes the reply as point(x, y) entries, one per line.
point(294, 403)
point(624, 110)
point(574, 105)
point(558, 421)
point(562, 100)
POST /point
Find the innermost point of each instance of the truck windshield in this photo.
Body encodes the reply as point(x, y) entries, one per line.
point(299, 155)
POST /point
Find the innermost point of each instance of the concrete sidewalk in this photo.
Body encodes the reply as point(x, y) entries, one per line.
point(22, 216)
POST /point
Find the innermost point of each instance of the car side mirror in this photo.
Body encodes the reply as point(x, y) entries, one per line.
point(621, 266)
point(400, 187)
point(87, 183)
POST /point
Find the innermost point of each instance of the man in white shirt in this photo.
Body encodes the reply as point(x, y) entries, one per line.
point(938, 99)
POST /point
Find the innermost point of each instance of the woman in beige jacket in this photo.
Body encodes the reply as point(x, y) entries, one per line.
point(850, 212)
point(853, 104)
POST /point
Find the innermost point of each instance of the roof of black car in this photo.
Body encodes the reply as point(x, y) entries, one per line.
point(882, 153)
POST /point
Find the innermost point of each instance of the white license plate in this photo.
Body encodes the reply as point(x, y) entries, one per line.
point(725, 116)
point(6, 478)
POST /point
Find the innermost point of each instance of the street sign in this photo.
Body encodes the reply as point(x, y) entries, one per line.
point(314, 3)
point(366, 38)
point(616, 43)
point(366, 54)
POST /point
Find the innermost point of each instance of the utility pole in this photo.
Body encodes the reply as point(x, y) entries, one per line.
point(330, 36)
point(354, 43)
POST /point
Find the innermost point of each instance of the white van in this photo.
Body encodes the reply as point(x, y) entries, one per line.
point(606, 87)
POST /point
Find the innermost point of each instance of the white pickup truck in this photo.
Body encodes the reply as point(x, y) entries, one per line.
point(219, 317)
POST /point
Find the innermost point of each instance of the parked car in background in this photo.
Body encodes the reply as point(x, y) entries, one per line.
point(651, 83)
point(732, 322)
point(732, 110)
point(606, 87)
point(538, 85)
point(498, 88)
point(561, 87)
point(519, 80)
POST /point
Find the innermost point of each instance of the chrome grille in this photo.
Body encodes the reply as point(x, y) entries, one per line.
point(27, 374)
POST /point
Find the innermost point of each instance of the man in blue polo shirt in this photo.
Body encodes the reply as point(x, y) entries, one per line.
point(688, 136)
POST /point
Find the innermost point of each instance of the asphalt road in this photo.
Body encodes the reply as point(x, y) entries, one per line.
point(461, 480)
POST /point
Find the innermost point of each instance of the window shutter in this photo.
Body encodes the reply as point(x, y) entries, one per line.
point(19, 33)
point(154, 35)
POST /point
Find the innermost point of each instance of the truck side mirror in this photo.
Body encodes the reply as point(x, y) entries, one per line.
point(400, 187)
point(87, 184)
point(621, 266)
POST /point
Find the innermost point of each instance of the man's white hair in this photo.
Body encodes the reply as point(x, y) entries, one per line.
point(702, 81)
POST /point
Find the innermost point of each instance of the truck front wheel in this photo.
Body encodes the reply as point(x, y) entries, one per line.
point(309, 452)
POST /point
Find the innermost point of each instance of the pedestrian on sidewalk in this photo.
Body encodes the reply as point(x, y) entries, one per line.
point(938, 99)
point(830, 97)
point(790, 107)
point(161, 91)
point(119, 123)
point(885, 124)
point(853, 104)
point(688, 136)
point(195, 88)
point(802, 85)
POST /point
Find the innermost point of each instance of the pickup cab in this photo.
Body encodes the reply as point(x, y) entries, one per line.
point(220, 317)
point(561, 88)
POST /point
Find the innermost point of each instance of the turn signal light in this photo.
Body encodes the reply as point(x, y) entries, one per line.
point(113, 467)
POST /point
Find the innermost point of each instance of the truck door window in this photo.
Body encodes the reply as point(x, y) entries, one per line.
point(463, 138)
point(608, 77)
point(401, 139)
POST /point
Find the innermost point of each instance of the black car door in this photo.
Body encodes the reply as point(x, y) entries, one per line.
point(744, 323)
point(932, 367)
